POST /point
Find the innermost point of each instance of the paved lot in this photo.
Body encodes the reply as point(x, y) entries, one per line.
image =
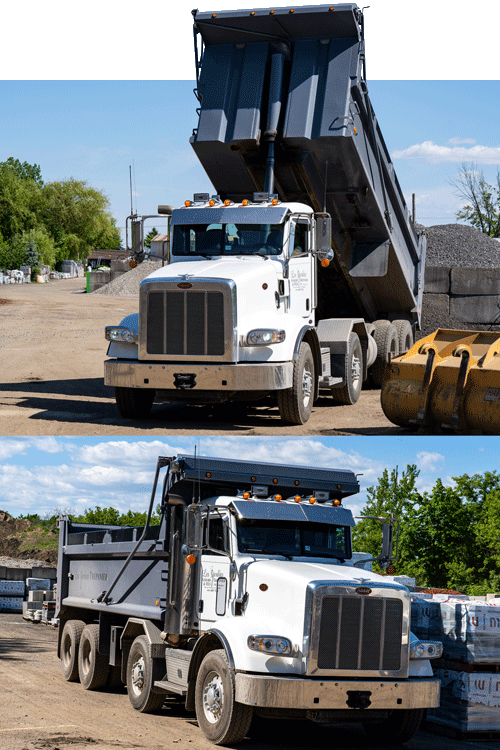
point(40, 711)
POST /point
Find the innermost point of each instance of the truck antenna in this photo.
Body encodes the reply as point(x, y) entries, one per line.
point(130, 179)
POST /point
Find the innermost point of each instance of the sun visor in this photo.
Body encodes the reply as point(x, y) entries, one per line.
point(274, 511)
point(230, 215)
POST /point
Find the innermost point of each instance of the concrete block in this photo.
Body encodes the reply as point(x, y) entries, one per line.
point(440, 302)
point(31, 606)
point(11, 604)
point(475, 281)
point(119, 266)
point(16, 574)
point(98, 279)
point(36, 596)
point(437, 280)
point(476, 309)
point(44, 572)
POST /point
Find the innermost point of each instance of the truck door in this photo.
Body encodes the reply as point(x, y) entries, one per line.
point(215, 569)
point(301, 268)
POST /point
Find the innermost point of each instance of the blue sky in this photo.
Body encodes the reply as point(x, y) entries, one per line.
point(40, 475)
point(93, 130)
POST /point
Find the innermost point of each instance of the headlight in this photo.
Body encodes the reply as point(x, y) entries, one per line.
point(119, 333)
point(264, 337)
point(270, 644)
point(426, 650)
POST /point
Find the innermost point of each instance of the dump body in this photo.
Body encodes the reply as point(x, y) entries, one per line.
point(328, 149)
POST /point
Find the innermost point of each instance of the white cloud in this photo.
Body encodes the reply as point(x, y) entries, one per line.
point(47, 445)
point(429, 461)
point(435, 154)
point(460, 141)
point(9, 448)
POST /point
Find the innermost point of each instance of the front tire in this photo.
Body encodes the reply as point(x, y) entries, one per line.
point(399, 727)
point(221, 719)
point(141, 677)
point(386, 338)
point(134, 403)
point(295, 403)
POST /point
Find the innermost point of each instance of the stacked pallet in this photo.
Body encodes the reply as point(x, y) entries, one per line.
point(40, 606)
point(11, 595)
point(470, 667)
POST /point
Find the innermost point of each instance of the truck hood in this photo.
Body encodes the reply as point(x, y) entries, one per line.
point(234, 268)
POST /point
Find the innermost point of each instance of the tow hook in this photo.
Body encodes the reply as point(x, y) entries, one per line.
point(184, 380)
point(358, 699)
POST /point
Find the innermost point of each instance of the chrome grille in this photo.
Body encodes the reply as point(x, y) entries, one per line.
point(360, 633)
point(185, 323)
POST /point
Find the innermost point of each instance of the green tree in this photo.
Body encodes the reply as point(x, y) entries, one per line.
point(393, 495)
point(150, 236)
point(77, 217)
point(482, 209)
point(24, 171)
point(18, 202)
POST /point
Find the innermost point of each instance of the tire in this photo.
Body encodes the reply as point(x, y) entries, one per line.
point(399, 727)
point(134, 403)
point(405, 335)
point(141, 677)
point(93, 667)
point(350, 392)
point(386, 338)
point(221, 719)
point(70, 643)
point(295, 403)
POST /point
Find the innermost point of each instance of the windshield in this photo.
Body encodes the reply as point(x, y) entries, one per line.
point(227, 239)
point(290, 538)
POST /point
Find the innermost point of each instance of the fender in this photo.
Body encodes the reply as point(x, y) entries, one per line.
point(210, 641)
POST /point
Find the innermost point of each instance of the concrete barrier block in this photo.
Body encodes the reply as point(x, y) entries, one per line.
point(44, 572)
point(11, 588)
point(475, 281)
point(119, 266)
point(38, 584)
point(437, 280)
point(98, 279)
point(36, 596)
point(476, 309)
point(17, 574)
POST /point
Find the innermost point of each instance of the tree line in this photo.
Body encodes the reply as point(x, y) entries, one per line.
point(449, 537)
point(49, 222)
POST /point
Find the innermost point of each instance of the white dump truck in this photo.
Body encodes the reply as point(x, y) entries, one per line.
point(244, 601)
point(304, 271)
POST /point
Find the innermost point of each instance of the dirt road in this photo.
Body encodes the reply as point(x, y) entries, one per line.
point(51, 380)
point(40, 711)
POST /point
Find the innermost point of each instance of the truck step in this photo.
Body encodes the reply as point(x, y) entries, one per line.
point(171, 687)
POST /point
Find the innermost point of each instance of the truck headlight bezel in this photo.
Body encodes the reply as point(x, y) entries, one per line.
point(270, 644)
point(121, 334)
point(265, 337)
point(426, 650)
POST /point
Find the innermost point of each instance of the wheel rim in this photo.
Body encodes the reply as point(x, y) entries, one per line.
point(138, 675)
point(307, 382)
point(85, 657)
point(213, 697)
point(355, 372)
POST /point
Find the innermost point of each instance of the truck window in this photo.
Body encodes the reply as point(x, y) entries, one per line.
point(216, 536)
point(227, 239)
point(301, 239)
point(294, 539)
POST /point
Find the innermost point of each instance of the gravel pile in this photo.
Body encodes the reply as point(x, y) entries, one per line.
point(460, 245)
point(127, 285)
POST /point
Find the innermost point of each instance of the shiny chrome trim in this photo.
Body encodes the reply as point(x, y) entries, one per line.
point(244, 376)
point(295, 692)
point(199, 284)
point(314, 596)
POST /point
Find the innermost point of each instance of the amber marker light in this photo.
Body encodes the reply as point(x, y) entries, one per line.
point(297, 498)
point(227, 202)
point(191, 559)
point(325, 262)
point(336, 501)
point(312, 500)
point(296, 483)
point(274, 202)
point(211, 203)
point(278, 498)
point(157, 603)
point(187, 203)
point(208, 475)
point(244, 202)
point(275, 481)
point(246, 495)
point(252, 13)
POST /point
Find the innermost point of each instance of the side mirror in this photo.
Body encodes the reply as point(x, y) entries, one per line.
point(323, 236)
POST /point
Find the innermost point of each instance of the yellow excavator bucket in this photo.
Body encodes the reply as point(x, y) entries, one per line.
point(449, 380)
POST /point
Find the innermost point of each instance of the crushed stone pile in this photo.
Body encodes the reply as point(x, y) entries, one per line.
point(457, 245)
point(127, 285)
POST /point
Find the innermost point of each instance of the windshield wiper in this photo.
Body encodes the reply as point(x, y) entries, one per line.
point(288, 555)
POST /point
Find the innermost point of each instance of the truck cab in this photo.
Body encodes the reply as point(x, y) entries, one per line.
point(244, 601)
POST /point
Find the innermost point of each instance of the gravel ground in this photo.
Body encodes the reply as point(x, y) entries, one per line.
point(127, 285)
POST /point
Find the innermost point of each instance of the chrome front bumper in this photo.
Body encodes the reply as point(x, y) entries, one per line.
point(295, 692)
point(266, 376)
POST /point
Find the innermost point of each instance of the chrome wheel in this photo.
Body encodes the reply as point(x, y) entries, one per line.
point(213, 697)
point(138, 675)
point(307, 384)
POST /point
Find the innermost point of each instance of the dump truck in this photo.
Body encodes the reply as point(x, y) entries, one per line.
point(303, 273)
point(243, 601)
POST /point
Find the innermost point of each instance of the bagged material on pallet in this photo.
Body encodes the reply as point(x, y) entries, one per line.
point(469, 631)
point(11, 588)
point(11, 604)
point(470, 702)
